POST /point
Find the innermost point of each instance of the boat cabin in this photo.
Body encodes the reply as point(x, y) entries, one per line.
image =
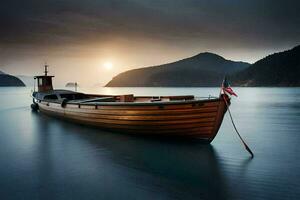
point(44, 82)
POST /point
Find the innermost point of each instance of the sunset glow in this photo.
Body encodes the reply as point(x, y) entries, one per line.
point(108, 65)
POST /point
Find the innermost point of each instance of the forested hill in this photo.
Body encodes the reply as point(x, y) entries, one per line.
point(278, 69)
point(204, 69)
point(9, 80)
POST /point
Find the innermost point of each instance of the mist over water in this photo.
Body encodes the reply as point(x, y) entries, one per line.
point(47, 158)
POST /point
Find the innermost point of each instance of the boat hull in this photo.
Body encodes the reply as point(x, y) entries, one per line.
point(192, 119)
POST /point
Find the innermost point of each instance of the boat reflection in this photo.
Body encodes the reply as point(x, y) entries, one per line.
point(180, 169)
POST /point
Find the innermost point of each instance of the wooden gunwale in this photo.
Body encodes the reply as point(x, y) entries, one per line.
point(146, 107)
point(125, 104)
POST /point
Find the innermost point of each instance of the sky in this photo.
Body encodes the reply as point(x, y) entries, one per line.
point(91, 41)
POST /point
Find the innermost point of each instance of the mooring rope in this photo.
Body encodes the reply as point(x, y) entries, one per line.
point(233, 124)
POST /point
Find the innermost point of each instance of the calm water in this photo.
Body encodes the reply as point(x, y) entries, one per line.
point(46, 158)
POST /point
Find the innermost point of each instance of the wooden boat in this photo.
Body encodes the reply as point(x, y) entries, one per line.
point(183, 116)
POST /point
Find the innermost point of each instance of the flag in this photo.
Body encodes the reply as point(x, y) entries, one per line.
point(227, 89)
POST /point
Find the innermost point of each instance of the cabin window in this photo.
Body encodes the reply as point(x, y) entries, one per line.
point(51, 97)
point(40, 82)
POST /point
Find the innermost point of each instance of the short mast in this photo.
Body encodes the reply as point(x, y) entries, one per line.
point(46, 69)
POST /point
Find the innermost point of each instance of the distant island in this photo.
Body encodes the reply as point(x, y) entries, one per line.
point(204, 69)
point(208, 69)
point(71, 84)
point(9, 80)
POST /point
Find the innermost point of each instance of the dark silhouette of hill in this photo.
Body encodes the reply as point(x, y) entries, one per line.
point(9, 80)
point(278, 69)
point(204, 69)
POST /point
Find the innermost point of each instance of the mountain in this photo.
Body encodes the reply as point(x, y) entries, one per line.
point(9, 80)
point(204, 69)
point(278, 69)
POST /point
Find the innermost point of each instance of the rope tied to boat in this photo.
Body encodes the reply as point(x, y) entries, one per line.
point(234, 126)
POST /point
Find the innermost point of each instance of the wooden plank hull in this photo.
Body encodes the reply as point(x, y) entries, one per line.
point(197, 119)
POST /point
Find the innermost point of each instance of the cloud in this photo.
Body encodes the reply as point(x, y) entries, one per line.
point(35, 28)
point(32, 21)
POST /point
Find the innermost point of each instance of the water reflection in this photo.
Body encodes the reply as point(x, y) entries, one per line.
point(172, 168)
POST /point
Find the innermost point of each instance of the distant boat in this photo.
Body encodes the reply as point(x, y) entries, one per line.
point(182, 116)
point(72, 84)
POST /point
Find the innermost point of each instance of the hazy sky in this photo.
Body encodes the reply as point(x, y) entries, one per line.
point(76, 37)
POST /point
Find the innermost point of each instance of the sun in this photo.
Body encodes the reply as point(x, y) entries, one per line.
point(108, 65)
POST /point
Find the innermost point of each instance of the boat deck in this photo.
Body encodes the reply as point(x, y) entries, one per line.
point(70, 97)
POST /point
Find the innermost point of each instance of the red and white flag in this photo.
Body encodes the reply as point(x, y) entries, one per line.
point(227, 89)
